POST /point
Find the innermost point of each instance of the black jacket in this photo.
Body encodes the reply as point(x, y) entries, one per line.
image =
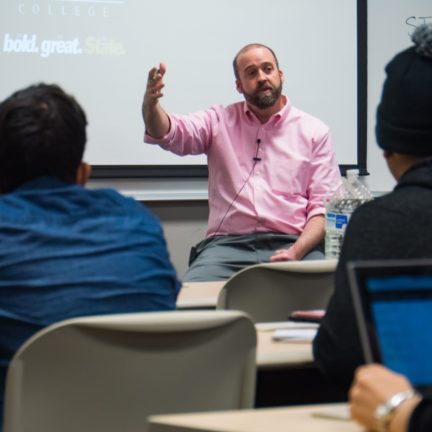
point(394, 226)
point(421, 418)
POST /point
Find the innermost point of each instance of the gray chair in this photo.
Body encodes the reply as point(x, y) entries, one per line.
point(109, 373)
point(271, 291)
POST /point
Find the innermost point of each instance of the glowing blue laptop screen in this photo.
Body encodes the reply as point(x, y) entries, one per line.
point(401, 308)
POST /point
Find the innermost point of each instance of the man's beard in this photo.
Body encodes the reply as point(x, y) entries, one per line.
point(261, 100)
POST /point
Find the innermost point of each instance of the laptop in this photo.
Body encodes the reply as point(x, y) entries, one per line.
point(393, 306)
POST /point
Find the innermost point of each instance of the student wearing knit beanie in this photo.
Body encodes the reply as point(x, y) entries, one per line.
point(395, 226)
point(404, 131)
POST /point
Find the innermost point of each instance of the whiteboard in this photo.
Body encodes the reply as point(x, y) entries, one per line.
point(101, 51)
point(389, 28)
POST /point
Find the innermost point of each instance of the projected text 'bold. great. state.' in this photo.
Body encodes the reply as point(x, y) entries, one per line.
point(29, 44)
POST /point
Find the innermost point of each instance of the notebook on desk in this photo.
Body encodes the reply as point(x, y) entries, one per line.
point(393, 305)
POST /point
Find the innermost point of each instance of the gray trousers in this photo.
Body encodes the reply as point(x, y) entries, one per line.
point(219, 257)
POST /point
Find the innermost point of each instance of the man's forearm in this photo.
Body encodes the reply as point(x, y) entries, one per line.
point(156, 120)
point(312, 235)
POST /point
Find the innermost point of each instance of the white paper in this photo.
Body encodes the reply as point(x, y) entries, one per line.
point(294, 335)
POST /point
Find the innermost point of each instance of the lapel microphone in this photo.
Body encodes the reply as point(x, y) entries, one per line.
point(256, 158)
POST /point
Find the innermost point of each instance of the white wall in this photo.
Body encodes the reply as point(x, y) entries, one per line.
point(390, 24)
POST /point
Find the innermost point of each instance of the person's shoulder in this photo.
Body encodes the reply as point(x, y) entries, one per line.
point(385, 202)
point(227, 114)
point(108, 201)
point(213, 113)
point(229, 109)
point(373, 213)
point(307, 117)
point(370, 206)
point(310, 121)
point(110, 198)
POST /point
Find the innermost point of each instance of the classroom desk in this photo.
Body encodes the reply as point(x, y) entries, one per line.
point(270, 354)
point(293, 419)
point(286, 372)
point(277, 354)
point(280, 365)
point(199, 295)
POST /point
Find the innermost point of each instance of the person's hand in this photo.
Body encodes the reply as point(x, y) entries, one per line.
point(156, 120)
point(373, 385)
point(285, 255)
point(155, 85)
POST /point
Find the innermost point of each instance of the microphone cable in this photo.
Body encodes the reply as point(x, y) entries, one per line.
point(255, 160)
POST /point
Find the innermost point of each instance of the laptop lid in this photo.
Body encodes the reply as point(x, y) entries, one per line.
point(393, 306)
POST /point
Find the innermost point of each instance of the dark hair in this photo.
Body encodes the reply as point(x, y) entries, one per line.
point(246, 48)
point(42, 133)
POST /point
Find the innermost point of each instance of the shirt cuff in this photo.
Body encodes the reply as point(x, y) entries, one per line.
point(318, 211)
point(166, 139)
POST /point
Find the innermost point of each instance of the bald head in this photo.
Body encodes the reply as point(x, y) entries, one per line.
point(247, 48)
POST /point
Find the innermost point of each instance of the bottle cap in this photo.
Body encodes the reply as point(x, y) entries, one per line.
point(352, 173)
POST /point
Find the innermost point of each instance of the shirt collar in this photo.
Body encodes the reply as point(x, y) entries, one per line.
point(44, 182)
point(275, 118)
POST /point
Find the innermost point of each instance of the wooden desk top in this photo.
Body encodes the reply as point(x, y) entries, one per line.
point(270, 354)
point(274, 354)
point(199, 294)
point(293, 419)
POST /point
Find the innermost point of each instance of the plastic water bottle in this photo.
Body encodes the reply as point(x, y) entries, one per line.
point(339, 207)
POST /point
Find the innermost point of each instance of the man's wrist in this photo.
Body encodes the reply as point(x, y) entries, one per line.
point(385, 412)
point(297, 250)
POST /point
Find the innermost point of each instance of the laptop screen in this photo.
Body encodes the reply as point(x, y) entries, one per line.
point(393, 303)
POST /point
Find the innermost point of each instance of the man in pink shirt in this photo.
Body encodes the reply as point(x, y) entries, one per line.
point(270, 167)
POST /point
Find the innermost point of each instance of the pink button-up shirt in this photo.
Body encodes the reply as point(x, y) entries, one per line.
point(281, 190)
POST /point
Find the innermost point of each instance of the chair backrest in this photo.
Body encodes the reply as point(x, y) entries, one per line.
point(108, 373)
point(271, 291)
